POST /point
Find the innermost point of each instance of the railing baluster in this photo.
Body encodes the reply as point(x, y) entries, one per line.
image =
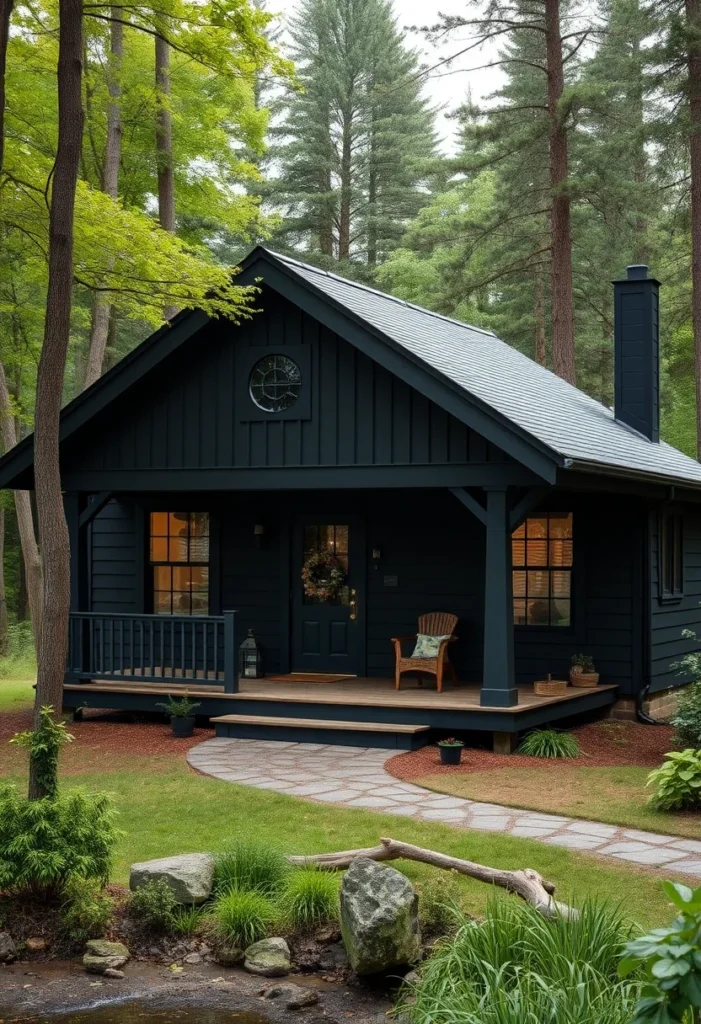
point(215, 641)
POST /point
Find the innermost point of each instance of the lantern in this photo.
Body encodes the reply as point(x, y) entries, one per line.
point(250, 658)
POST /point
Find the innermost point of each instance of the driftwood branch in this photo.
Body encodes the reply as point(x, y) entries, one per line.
point(526, 883)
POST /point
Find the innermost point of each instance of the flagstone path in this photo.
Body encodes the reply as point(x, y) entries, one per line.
point(355, 777)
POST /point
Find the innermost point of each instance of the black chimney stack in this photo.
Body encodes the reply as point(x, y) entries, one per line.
point(637, 352)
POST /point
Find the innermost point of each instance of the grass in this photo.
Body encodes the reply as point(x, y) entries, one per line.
point(310, 897)
point(244, 917)
point(16, 694)
point(614, 795)
point(251, 865)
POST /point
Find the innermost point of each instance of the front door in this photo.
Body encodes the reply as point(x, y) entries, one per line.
point(328, 595)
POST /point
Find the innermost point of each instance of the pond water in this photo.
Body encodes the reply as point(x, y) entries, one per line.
point(141, 1013)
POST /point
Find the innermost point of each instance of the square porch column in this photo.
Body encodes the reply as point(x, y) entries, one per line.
point(498, 680)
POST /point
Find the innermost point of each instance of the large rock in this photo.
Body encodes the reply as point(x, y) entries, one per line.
point(8, 950)
point(102, 956)
point(190, 876)
point(269, 958)
point(294, 996)
point(379, 917)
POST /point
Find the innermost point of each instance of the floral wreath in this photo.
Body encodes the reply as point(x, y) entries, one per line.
point(323, 575)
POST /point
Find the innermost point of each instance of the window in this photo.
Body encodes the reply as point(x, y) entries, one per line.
point(328, 539)
point(275, 383)
point(671, 555)
point(179, 543)
point(542, 571)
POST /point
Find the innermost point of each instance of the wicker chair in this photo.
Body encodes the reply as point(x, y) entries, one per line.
point(435, 624)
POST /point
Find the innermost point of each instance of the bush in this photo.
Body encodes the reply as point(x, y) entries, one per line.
point(687, 718)
point(154, 906)
point(243, 916)
point(678, 781)
point(440, 899)
point(516, 968)
point(549, 743)
point(250, 866)
point(20, 660)
point(86, 909)
point(44, 745)
point(672, 960)
point(46, 843)
point(309, 898)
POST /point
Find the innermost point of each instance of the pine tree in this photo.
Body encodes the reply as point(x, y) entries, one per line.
point(355, 145)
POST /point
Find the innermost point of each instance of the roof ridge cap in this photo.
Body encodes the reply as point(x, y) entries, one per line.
point(376, 291)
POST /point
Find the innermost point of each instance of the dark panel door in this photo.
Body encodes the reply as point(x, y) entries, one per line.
point(328, 594)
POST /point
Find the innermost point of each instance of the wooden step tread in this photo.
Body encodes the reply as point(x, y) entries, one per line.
point(319, 723)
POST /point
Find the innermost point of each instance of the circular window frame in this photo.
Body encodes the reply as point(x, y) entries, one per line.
point(293, 386)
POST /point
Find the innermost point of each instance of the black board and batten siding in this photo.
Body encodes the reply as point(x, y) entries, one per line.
point(668, 617)
point(116, 560)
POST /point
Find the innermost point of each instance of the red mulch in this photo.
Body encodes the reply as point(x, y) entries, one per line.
point(604, 744)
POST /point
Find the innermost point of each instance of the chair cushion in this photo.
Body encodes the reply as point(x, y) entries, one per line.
point(428, 646)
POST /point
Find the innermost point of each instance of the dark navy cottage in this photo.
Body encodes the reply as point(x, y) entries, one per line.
point(344, 463)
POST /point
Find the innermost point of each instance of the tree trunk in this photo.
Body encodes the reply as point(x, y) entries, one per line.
point(5, 15)
point(540, 356)
point(31, 560)
point(3, 594)
point(110, 185)
point(562, 301)
point(344, 225)
point(164, 146)
point(526, 883)
point(22, 608)
point(693, 17)
point(53, 532)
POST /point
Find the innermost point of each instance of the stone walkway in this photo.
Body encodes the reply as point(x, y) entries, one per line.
point(355, 777)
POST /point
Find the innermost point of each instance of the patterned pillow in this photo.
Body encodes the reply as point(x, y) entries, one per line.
point(428, 646)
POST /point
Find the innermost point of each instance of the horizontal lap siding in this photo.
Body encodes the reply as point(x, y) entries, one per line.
point(114, 560)
point(669, 619)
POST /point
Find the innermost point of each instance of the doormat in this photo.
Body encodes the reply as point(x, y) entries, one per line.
point(308, 677)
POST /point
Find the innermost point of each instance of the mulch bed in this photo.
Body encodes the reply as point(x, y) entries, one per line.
point(604, 744)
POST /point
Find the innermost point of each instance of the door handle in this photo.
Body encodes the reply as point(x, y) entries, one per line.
point(353, 605)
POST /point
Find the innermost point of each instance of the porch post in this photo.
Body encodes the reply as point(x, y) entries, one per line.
point(498, 680)
point(78, 639)
point(230, 680)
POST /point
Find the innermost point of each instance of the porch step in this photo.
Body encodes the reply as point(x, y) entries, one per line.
point(319, 730)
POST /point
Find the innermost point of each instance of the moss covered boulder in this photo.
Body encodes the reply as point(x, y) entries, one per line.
point(379, 917)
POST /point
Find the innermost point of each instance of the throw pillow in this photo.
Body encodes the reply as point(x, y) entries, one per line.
point(428, 646)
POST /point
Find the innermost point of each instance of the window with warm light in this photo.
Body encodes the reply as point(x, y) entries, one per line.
point(542, 571)
point(179, 552)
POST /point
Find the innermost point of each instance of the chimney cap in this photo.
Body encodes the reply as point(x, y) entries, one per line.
point(637, 272)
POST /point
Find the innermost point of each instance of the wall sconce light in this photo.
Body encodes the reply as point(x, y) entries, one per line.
point(259, 534)
point(376, 556)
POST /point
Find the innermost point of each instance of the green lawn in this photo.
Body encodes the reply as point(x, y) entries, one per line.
point(615, 795)
point(16, 694)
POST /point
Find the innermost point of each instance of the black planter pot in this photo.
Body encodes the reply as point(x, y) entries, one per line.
point(451, 755)
point(182, 726)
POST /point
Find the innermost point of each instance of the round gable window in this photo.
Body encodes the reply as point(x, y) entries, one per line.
point(275, 383)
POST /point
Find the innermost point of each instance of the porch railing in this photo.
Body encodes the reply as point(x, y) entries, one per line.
point(192, 649)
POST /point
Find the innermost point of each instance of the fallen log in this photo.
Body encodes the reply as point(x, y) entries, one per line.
point(526, 883)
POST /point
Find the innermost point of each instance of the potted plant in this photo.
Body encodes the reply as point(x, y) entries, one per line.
point(583, 672)
point(180, 710)
point(451, 750)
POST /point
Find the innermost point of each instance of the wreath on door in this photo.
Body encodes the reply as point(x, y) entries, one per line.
point(323, 575)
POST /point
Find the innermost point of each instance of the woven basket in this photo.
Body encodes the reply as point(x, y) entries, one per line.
point(584, 679)
point(550, 687)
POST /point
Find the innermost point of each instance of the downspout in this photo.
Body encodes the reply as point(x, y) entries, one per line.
point(641, 696)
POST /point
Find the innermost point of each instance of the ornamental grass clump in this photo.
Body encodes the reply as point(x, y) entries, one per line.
point(309, 898)
point(549, 743)
point(515, 967)
point(243, 917)
point(677, 781)
point(248, 865)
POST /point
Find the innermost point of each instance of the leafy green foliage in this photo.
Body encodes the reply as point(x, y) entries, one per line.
point(19, 662)
point(154, 906)
point(244, 917)
point(250, 866)
point(439, 903)
point(187, 920)
point(86, 909)
point(671, 958)
point(678, 781)
point(549, 743)
point(585, 661)
point(44, 745)
point(46, 843)
point(178, 707)
point(309, 897)
point(687, 717)
point(515, 967)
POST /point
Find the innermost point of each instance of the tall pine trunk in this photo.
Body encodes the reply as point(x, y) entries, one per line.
point(5, 15)
point(3, 593)
point(539, 316)
point(693, 18)
point(164, 146)
point(560, 229)
point(344, 214)
point(53, 532)
point(102, 310)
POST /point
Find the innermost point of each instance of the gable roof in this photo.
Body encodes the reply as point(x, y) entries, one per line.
point(542, 411)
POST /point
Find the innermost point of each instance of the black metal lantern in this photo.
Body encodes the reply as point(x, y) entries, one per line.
point(250, 658)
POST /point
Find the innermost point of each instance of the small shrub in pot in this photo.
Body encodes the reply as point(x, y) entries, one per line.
point(179, 710)
point(451, 750)
point(583, 671)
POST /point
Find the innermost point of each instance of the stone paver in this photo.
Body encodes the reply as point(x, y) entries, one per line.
point(355, 777)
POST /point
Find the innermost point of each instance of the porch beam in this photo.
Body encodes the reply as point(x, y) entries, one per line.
point(95, 507)
point(470, 503)
point(528, 502)
point(498, 678)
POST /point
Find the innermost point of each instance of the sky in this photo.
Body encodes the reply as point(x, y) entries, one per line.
point(447, 86)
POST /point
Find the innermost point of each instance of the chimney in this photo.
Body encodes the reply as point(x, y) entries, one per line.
point(637, 352)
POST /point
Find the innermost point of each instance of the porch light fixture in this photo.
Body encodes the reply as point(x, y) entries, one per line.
point(250, 658)
point(258, 534)
point(376, 556)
